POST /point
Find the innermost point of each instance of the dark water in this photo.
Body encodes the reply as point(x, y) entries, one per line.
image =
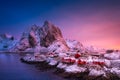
point(11, 68)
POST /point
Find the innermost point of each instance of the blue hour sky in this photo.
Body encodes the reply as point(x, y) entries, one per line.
point(92, 22)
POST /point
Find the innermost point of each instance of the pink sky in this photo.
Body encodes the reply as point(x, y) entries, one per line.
point(101, 29)
point(92, 22)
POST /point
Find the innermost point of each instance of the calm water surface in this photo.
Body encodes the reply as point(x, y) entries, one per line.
point(11, 68)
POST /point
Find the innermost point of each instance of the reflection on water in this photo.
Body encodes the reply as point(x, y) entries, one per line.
point(11, 68)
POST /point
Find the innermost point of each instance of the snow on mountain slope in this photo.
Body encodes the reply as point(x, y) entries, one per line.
point(75, 45)
point(7, 42)
point(47, 36)
point(58, 47)
point(29, 39)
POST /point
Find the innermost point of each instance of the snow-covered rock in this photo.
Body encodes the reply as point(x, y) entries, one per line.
point(23, 43)
point(58, 46)
point(75, 45)
point(115, 63)
point(29, 39)
point(107, 63)
point(7, 42)
point(75, 69)
point(113, 56)
point(115, 71)
point(93, 49)
point(53, 62)
point(6, 36)
point(61, 54)
point(94, 72)
point(34, 58)
point(61, 65)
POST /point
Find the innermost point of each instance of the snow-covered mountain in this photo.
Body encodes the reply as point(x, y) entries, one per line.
point(45, 36)
point(48, 36)
point(75, 45)
point(29, 39)
point(7, 42)
point(51, 37)
point(93, 49)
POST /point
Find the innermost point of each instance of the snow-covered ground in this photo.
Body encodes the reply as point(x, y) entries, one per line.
point(112, 56)
point(96, 65)
point(94, 72)
point(7, 42)
point(75, 69)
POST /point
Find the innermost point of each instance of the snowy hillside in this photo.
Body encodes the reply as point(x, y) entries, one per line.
point(7, 42)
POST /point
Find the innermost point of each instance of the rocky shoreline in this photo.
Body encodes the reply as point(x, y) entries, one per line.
point(84, 72)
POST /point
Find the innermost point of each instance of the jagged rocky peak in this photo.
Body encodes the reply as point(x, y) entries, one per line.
point(51, 36)
point(44, 36)
point(50, 33)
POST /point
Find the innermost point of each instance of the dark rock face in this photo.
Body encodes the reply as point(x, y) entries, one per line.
point(51, 37)
point(49, 33)
point(33, 34)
